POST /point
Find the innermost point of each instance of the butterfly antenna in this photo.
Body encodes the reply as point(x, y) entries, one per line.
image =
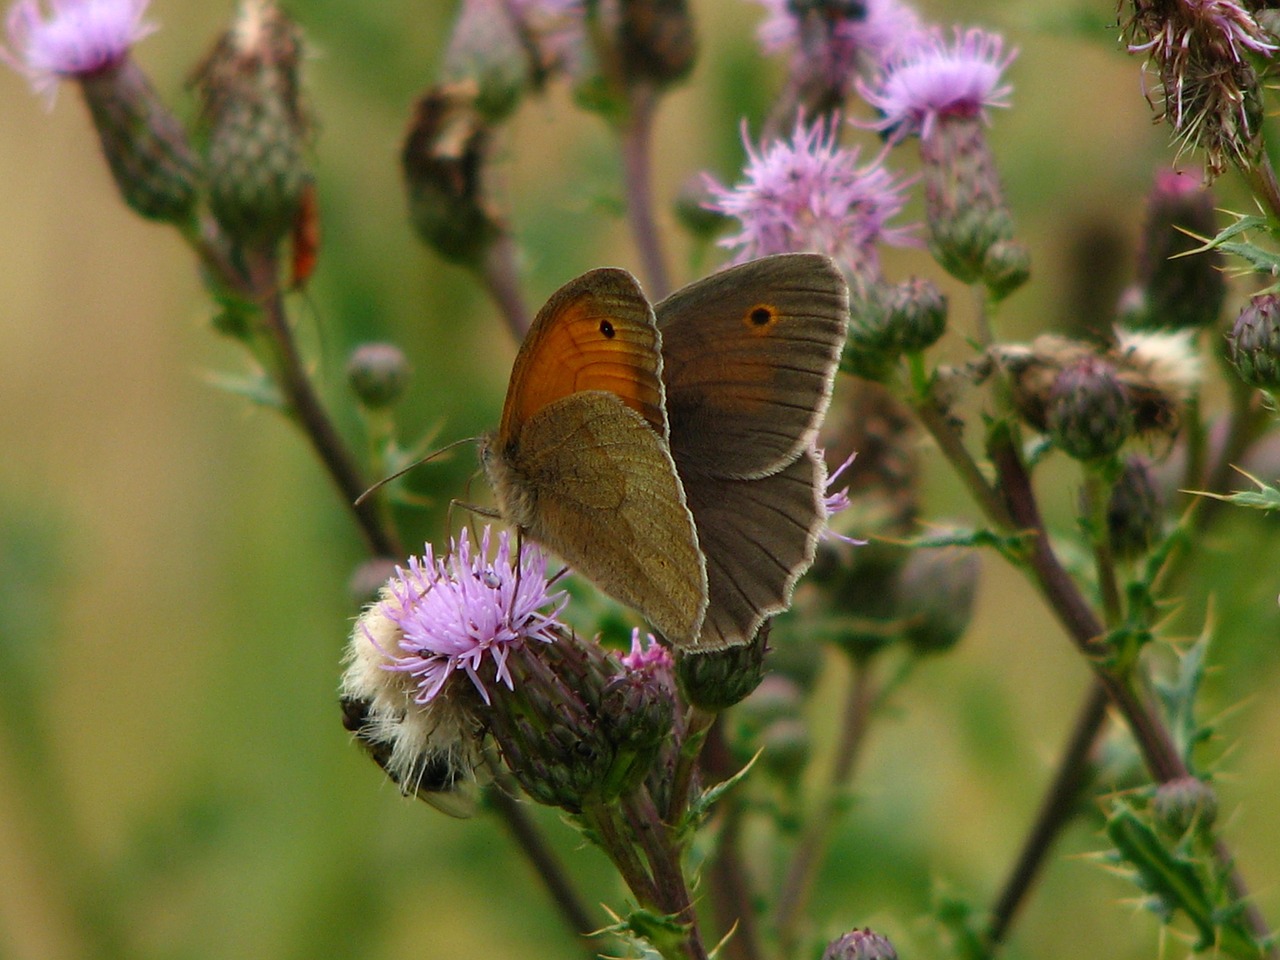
point(417, 463)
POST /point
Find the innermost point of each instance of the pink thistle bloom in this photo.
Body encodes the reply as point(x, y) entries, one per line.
point(647, 654)
point(454, 612)
point(931, 79)
point(78, 37)
point(862, 38)
point(809, 194)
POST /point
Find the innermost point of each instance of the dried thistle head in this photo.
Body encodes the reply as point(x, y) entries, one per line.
point(1208, 91)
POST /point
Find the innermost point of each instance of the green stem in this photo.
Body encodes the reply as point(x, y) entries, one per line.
point(697, 724)
point(1096, 492)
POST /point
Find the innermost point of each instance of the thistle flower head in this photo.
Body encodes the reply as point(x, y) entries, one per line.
point(458, 612)
point(855, 35)
point(1210, 92)
point(929, 79)
point(809, 194)
point(77, 37)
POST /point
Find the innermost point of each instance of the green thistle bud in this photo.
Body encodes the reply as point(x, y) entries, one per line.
point(1254, 342)
point(144, 143)
point(964, 203)
point(1180, 290)
point(378, 374)
point(443, 160)
point(576, 730)
point(486, 47)
point(717, 680)
point(917, 314)
point(935, 593)
point(655, 38)
point(1006, 267)
point(860, 945)
point(1135, 509)
point(1089, 415)
point(873, 347)
point(258, 133)
point(1183, 804)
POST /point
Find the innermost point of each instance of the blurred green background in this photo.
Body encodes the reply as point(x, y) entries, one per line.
point(174, 778)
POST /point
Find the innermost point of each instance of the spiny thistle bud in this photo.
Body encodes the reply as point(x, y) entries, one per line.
point(656, 41)
point(935, 593)
point(1178, 289)
point(860, 945)
point(573, 730)
point(1088, 414)
point(1209, 92)
point(378, 374)
point(917, 314)
point(1135, 509)
point(258, 132)
point(444, 160)
point(1006, 267)
point(487, 48)
point(1186, 803)
point(1254, 342)
point(144, 143)
point(872, 349)
point(720, 678)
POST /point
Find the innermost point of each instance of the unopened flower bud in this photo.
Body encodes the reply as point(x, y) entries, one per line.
point(656, 41)
point(1254, 342)
point(917, 314)
point(486, 48)
point(935, 590)
point(258, 132)
point(860, 945)
point(444, 159)
point(872, 349)
point(1088, 413)
point(637, 711)
point(144, 143)
point(1135, 509)
point(1006, 267)
point(378, 374)
point(718, 679)
point(964, 203)
point(1184, 803)
point(1181, 290)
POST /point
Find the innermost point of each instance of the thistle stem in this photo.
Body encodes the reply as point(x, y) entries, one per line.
point(637, 156)
point(1056, 810)
point(1096, 491)
point(697, 724)
point(797, 886)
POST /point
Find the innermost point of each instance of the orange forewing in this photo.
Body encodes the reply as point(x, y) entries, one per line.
point(597, 333)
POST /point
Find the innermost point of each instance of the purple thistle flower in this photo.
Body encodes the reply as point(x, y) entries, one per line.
point(837, 501)
point(454, 612)
point(861, 39)
point(930, 79)
point(648, 654)
point(809, 194)
point(78, 37)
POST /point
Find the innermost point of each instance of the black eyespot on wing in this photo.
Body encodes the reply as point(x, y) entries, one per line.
point(607, 329)
point(760, 316)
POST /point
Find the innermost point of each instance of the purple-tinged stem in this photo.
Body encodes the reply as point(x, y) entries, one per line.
point(1056, 810)
point(500, 274)
point(303, 403)
point(663, 854)
point(697, 724)
point(637, 157)
point(793, 897)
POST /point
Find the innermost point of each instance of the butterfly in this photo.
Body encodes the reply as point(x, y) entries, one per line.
point(667, 452)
